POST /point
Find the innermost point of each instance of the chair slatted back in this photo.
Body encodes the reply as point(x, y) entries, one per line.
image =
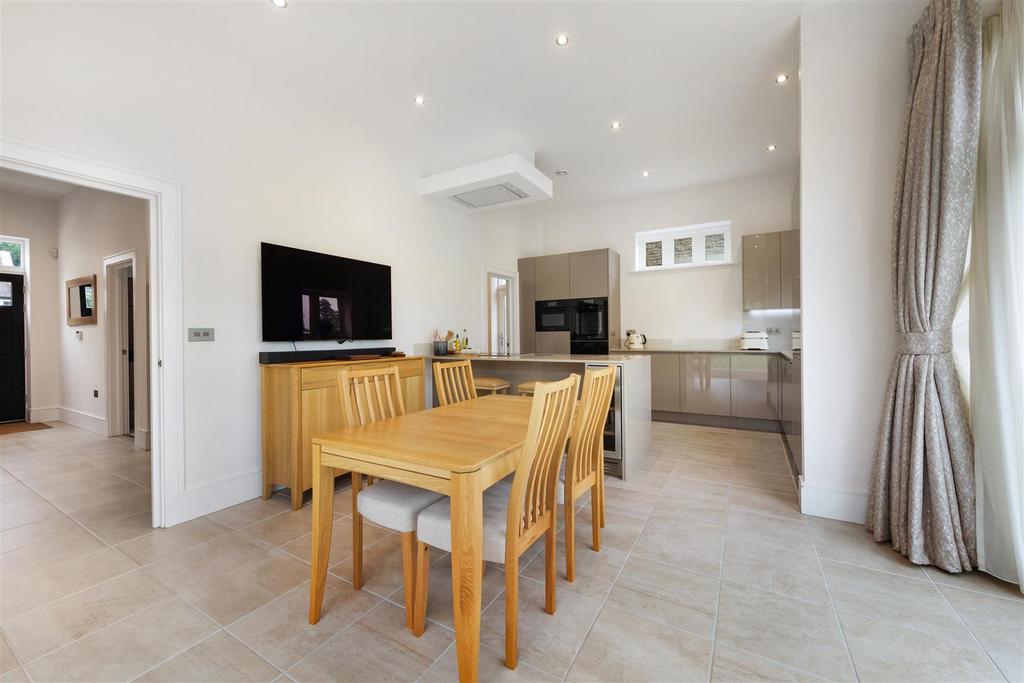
point(586, 448)
point(532, 499)
point(370, 395)
point(454, 382)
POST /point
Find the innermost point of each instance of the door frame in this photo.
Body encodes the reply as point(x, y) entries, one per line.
point(113, 309)
point(170, 500)
point(513, 293)
point(27, 295)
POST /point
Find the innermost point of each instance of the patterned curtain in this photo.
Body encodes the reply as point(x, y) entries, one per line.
point(922, 488)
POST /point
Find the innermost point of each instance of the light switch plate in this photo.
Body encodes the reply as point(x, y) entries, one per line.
point(200, 334)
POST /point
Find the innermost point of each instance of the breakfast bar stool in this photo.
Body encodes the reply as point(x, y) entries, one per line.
point(492, 385)
point(526, 388)
point(371, 396)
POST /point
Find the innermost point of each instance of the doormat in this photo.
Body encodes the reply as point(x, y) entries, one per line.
point(17, 427)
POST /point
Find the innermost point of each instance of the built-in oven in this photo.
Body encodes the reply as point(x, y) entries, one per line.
point(554, 316)
point(588, 332)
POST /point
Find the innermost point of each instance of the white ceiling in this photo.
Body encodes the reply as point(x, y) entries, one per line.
point(692, 82)
point(36, 186)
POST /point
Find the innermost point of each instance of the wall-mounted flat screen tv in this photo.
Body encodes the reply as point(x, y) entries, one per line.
point(309, 296)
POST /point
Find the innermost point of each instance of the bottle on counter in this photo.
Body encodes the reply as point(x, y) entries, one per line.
point(465, 339)
point(458, 346)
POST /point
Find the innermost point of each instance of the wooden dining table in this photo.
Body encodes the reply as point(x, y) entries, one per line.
point(458, 450)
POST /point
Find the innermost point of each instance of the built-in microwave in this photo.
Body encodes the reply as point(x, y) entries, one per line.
point(554, 316)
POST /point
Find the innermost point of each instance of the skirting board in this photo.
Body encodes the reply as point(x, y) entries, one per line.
point(48, 414)
point(847, 506)
point(142, 439)
point(76, 418)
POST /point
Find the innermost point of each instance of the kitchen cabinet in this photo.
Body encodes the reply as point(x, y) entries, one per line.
point(762, 271)
point(527, 309)
point(588, 274)
point(551, 277)
point(789, 267)
point(549, 343)
point(791, 409)
point(665, 385)
point(751, 389)
point(705, 383)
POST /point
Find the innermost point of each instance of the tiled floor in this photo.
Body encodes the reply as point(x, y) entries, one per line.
point(708, 572)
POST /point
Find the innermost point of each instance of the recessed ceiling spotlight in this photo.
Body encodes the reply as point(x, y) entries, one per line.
point(781, 78)
point(280, 4)
point(561, 171)
point(419, 99)
point(616, 125)
point(771, 148)
point(561, 40)
point(646, 173)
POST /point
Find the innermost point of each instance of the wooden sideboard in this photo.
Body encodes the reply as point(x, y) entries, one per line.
point(301, 400)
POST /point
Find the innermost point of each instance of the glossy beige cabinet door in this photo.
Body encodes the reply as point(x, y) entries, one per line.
point(789, 260)
point(549, 343)
point(762, 271)
point(527, 310)
point(751, 389)
point(551, 277)
point(705, 383)
point(665, 381)
point(588, 274)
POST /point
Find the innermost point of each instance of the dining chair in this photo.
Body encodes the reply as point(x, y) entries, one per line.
point(371, 396)
point(514, 515)
point(584, 465)
point(453, 382)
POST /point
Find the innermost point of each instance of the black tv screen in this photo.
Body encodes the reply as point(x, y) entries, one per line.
point(307, 295)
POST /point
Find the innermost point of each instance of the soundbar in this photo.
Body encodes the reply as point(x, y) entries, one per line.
point(274, 357)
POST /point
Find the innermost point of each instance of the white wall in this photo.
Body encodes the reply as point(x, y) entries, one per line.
point(697, 303)
point(35, 218)
point(253, 166)
point(91, 226)
point(853, 88)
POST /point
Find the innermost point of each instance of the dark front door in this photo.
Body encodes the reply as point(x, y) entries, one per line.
point(12, 347)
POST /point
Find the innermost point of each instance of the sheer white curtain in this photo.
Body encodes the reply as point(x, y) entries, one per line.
point(997, 301)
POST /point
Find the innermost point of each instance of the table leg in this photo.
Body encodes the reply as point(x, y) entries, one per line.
point(467, 556)
point(323, 518)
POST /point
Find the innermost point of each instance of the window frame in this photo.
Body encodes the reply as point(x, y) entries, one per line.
point(667, 236)
point(20, 269)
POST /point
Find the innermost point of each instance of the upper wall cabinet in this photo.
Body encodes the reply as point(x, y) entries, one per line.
point(588, 274)
point(790, 261)
point(527, 310)
point(762, 271)
point(551, 277)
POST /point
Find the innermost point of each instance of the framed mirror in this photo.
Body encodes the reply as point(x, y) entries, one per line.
point(82, 301)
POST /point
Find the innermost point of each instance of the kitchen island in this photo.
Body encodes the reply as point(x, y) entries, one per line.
point(628, 430)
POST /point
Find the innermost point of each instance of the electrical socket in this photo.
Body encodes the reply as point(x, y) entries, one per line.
point(774, 330)
point(95, 393)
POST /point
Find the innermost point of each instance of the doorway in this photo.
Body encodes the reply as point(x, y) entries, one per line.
point(12, 347)
point(499, 314)
point(122, 328)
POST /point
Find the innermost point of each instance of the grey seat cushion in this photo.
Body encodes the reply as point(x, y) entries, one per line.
point(394, 506)
point(435, 526)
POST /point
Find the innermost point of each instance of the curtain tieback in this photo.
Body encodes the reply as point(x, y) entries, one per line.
point(924, 343)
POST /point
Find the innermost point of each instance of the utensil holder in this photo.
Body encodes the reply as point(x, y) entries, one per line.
point(440, 348)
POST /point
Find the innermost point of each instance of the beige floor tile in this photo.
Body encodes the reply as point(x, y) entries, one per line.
point(155, 634)
point(643, 481)
point(382, 567)
point(78, 497)
point(976, 581)
point(218, 557)
point(997, 623)
point(35, 532)
point(903, 601)
point(15, 676)
point(28, 591)
point(851, 543)
point(439, 594)
point(664, 593)
point(280, 630)
point(492, 669)
point(765, 481)
point(732, 665)
point(8, 662)
point(624, 647)
point(774, 568)
point(791, 534)
point(691, 512)
point(676, 543)
point(627, 502)
point(546, 641)
point(377, 647)
point(48, 551)
point(341, 541)
point(765, 502)
point(885, 652)
point(798, 634)
point(125, 529)
point(698, 491)
point(218, 658)
point(36, 510)
point(166, 542)
point(686, 469)
point(595, 571)
point(102, 510)
point(283, 528)
point(57, 624)
point(251, 511)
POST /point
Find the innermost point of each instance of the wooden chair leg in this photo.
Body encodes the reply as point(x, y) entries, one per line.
point(595, 515)
point(409, 575)
point(511, 613)
point(570, 540)
point(357, 534)
point(422, 587)
point(600, 495)
point(549, 570)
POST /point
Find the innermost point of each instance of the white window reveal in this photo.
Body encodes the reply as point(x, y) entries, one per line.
point(13, 254)
point(707, 244)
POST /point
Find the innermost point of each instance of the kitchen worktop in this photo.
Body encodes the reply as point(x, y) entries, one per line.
point(616, 358)
point(710, 347)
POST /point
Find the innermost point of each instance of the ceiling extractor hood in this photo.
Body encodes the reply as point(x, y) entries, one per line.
point(505, 181)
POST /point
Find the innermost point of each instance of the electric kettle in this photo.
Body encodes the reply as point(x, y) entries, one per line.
point(634, 340)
